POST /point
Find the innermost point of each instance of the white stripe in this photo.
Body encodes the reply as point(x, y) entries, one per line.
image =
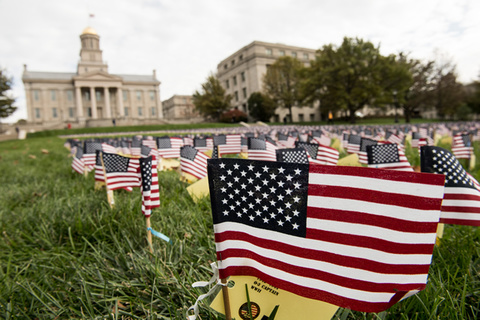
point(371, 231)
point(468, 191)
point(461, 203)
point(360, 295)
point(376, 184)
point(460, 216)
point(335, 248)
point(373, 208)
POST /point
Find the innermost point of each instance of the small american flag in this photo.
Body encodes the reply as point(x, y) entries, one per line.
point(294, 155)
point(150, 191)
point(261, 149)
point(193, 161)
point(461, 204)
point(320, 154)
point(358, 238)
point(462, 146)
point(387, 156)
point(121, 172)
point(362, 153)
point(169, 147)
point(77, 163)
point(354, 143)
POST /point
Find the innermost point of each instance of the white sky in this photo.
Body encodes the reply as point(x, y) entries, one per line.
point(184, 40)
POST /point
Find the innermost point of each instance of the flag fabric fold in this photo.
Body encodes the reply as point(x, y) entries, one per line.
point(387, 156)
point(150, 191)
point(359, 238)
point(193, 161)
point(120, 171)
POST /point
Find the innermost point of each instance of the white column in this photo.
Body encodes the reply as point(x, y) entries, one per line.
point(158, 103)
point(78, 99)
point(108, 113)
point(120, 102)
point(93, 99)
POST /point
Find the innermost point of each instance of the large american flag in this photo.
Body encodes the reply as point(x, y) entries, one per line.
point(120, 171)
point(387, 156)
point(358, 238)
point(261, 149)
point(461, 204)
point(462, 146)
point(150, 191)
point(193, 161)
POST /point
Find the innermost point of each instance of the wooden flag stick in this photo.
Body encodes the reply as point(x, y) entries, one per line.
point(149, 235)
point(110, 198)
point(226, 300)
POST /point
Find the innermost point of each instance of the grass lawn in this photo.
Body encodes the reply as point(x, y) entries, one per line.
point(65, 254)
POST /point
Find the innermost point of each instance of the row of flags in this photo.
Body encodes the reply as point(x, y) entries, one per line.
point(357, 237)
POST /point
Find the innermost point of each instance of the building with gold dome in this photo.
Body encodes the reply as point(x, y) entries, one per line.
point(91, 96)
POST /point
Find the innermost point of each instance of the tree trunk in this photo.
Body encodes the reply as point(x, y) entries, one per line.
point(290, 111)
point(352, 116)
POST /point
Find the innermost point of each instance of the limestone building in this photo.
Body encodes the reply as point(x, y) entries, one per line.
point(91, 96)
point(180, 108)
point(241, 74)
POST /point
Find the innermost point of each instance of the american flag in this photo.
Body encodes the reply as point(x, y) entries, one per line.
point(387, 156)
point(358, 238)
point(286, 141)
point(324, 140)
point(228, 144)
point(393, 138)
point(462, 146)
point(135, 146)
point(77, 162)
point(461, 204)
point(99, 174)
point(362, 153)
point(293, 155)
point(354, 143)
point(345, 138)
point(203, 144)
point(193, 161)
point(169, 147)
point(108, 148)
point(89, 154)
point(320, 154)
point(261, 149)
point(121, 172)
point(150, 191)
point(416, 139)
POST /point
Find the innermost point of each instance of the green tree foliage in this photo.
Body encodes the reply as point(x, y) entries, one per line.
point(6, 102)
point(282, 82)
point(261, 107)
point(354, 75)
point(448, 94)
point(212, 101)
point(473, 96)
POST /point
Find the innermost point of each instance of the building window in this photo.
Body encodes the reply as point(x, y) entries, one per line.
point(312, 117)
point(71, 112)
point(37, 113)
point(89, 112)
point(241, 57)
point(244, 106)
point(233, 62)
point(236, 95)
point(69, 95)
point(281, 52)
point(305, 56)
point(242, 76)
point(98, 95)
point(139, 95)
point(36, 95)
point(125, 95)
point(140, 111)
point(294, 54)
point(53, 95)
point(244, 90)
point(300, 117)
point(54, 112)
point(268, 52)
point(227, 84)
point(125, 110)
point(153, 111)
point(234, 80)
point(225, 66)
point(87, 95)
point(152, 95)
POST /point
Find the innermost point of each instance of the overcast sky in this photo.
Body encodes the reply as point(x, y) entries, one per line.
point(184, 40)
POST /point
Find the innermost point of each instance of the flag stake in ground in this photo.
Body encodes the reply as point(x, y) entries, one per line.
point(226, 300)
point(110, 198)
point(149, 234)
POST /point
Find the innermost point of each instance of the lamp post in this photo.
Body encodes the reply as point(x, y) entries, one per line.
point(395, 103)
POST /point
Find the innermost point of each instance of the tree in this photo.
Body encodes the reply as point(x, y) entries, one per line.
point(282, 80)
point(473, 96)
point(448, 94)
point(261, 107)
point(6, 102)
point(212, 101)
point(351, 74)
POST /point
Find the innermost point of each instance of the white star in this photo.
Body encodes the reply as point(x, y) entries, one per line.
point(265, 220)
point(222, 165)
point(250, 192)
point(224, 201)
point(288, 205)
point(236, 166)
point(229, 172)
point(250, 167)
point(288, 218)
point(258, 174)
point(297, 185)
point(251, 217)
point(272, 203)
point(239, 214)
point(295, 226)
point(257, 188)
point(258, 200)
point(236, 191)
point(230, 196)
point(280, 223)
point(281, 183)
point(273, 189)
point(243, 185)
point(265, 182)
point(244, 198)
point(258, 212)
point(223, 189)
point(280, 197)
point(272, 215)
point(273, 176)
point(236, 179)
point(250, 180)
point(222, 178)
point(288, 191)
point(265, 208)
point(280, 210)
point(281, 170)
point(296, 199)
point(295, 213)
point(298, 171)
point(289, 177)
point(243, 173)
point(229, 184)
point(265, 169)
point(225, 213)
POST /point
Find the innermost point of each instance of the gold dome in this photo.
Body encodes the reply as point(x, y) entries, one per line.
point(89, 30)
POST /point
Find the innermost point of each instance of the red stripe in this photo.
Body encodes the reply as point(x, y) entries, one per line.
point(461, 196)
point(315, 293)
point(411, 177)
point(475, 223)
point(380, 197)
point(353, 262)
point(461, 209)
point(371, 219)
point(306, 272)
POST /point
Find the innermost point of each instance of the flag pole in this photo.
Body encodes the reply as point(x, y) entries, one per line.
point(149, 234)
point(110, 198)
point(226, 300)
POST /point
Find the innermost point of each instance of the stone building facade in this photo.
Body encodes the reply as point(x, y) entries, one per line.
point(180, 108)
point(91, 96)
point(241, 74)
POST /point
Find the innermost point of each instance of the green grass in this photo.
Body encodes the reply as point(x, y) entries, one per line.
point(64, 254)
